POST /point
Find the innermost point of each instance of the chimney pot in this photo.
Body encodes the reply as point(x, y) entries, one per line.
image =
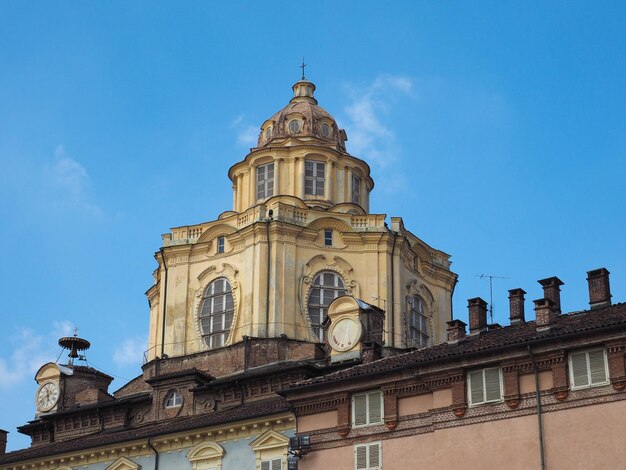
point(456, 331)
point(599, 288)
point(3, 441)
point(545, 314)
point(516, 306)
point(552, 290)
point(477, 315)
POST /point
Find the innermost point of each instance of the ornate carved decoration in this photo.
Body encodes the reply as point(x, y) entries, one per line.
point(560, 393)
point(512, 402)
point(459, 411)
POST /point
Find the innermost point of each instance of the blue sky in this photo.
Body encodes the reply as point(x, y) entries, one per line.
point(495, 129)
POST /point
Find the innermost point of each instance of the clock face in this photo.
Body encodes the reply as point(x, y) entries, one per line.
point(345, 334)
point(47, 396)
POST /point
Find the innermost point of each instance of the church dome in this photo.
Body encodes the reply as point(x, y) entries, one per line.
point(302, 119)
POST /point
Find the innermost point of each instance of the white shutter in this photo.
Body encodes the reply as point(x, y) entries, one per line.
point(597, 368)
point(360, 410)
point(476, 387)
point(375, 401)
point(579, 369)
point(360, 457)
point(374, 456)
point(492, 385)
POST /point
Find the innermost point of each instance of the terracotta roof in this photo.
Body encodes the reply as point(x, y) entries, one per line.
point(231, 415)
point(486, 342)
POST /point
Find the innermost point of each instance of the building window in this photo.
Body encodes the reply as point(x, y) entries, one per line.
point(356, 189)
point(368, 456)
point(328, 237)
point(327, 286)
point(588, 368)
point(314, 178)
point(485, 386)
point(265, 181)
point(367, 408)
point(294, 126)
point(417, 325)
point(274, 464)
point(174, 400)
point(220, 245)
point(216, 313)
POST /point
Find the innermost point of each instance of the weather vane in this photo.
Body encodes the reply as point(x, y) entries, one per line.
point(302, 67)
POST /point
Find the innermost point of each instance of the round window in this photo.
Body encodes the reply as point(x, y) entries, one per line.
point(294, 127)
point(325, 130)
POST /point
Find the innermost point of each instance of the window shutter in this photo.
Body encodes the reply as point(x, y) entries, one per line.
point(265, 465)
point(579, 369)
point(360, 456)
point(276, 464)
point(492, 385)
point(374, 407)
point(360, 410)
point(596, 366)
point(476, 387)
point(374, 454)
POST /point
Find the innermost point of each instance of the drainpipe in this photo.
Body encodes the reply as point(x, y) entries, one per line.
point(393, 290)
point(156, 454)
point(538, 399)
point(267, 290)
point(164, 302)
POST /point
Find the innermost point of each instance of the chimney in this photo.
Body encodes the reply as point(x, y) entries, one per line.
point(552, 291)
point(599, 288)
point(545, 314)
point(477, 315)
point(3, 441)
point(516, 306)
point(456, 331)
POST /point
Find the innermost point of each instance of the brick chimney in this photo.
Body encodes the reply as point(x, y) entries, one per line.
point(456, 331)
point(545, 314)
point(552, 290)
point(477, 315)
point(599, 288)
point(516, 306)
point(3, 441)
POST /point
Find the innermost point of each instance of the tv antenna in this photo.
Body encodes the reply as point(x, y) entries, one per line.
point(491, 277)
point(74, 344)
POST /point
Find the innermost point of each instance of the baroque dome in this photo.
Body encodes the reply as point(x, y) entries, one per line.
point(302, 119)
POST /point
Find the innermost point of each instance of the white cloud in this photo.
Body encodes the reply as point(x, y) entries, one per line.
point(71, 182)
point(247, 135)
point(30, 351)
point(131, 351)
point(368, 114)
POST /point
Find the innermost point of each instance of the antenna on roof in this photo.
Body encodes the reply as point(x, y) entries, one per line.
point(491, 278)
point(74, 344)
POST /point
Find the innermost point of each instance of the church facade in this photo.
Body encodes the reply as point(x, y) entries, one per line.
point(242, 307)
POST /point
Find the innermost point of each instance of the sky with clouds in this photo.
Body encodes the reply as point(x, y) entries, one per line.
point(495, 129)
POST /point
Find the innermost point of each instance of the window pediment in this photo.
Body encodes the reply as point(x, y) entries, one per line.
point(124, 464)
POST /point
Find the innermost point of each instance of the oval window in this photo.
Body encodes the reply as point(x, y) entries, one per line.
point(294, 127)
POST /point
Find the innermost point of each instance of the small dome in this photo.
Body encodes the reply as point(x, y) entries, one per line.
point(304, 120)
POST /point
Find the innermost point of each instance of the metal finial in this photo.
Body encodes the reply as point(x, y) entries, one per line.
point(75, 331)
point(302, 67)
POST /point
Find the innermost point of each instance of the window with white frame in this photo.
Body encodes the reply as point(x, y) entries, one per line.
point(417, 323)
point(356, 189)
point(273, 464)
point(220, 244)
point(173, 400)
point(314, 178)
point(328, 237)
point(367, 408)
point(368, 456)
point(216, 313)
point(265, 181)
point(485, 386)
point(327, 286)
point(588, 368)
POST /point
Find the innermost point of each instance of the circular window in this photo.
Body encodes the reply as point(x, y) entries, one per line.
point(268, 133)
point(294, 127)
point(325, 130)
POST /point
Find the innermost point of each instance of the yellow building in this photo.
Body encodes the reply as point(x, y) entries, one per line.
point(300, 234)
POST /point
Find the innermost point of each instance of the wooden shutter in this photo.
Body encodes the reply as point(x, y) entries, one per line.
point(360, 410)
point(265, 465)
point(374, 455)
point(597, 369)
point(492, 385)
point(579, 369)
point(276, 464)
point(476, 387)
point(360, 457)
point(375, 401)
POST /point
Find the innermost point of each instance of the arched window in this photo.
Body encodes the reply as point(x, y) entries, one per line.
point(417, 327)
point(216, 313)
point(327, 286)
